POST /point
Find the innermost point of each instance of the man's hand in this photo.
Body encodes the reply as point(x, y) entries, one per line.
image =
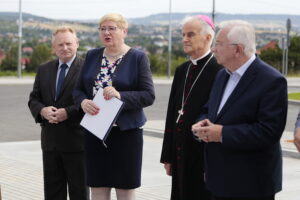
point(61, 115)
point(207, 131)
point(297, 138)
point(168, 168)
point(49, 114)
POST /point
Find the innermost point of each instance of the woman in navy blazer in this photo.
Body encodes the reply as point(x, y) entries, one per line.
point(122, 72)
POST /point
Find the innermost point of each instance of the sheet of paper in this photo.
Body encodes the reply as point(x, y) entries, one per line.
point(101, 123)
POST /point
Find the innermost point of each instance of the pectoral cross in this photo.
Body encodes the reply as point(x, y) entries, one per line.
point(180, 112)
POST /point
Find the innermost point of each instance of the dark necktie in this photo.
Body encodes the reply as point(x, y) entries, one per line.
point(61, 78)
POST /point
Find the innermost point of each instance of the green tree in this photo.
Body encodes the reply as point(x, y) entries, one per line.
point(158, 64)
point(11, 60)
point(273, 57)
point(41, 53)
point(177, 62)
point(294, 55)
point(31, 42)
point(6, 43)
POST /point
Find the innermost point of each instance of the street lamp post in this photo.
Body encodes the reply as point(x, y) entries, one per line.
point(283, 55)
point(20, 41)
point(170, 41)
point(213, 12)
point(288, 28)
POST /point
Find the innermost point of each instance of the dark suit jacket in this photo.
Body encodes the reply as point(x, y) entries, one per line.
point(248, 162)
point(132, 78)
point(66, 136)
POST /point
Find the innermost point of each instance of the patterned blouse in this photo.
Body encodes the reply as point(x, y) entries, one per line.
point(103, 78)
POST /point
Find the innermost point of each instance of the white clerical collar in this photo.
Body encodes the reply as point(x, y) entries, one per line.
point(194, 61)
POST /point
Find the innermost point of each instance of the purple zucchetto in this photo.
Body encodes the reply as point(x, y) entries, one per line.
point(208, 20)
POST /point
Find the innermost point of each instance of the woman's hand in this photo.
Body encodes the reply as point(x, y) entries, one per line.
point(88, 106)
point(109, 92)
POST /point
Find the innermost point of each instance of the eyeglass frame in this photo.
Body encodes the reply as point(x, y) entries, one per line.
point(218, 44)
point(110, 29)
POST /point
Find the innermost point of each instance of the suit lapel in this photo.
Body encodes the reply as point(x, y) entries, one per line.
point(121, 63)
point(75, 67)
point(53, 73)
point(224, 76)
point(241, 87)
point(71, 73)
point(97, 62)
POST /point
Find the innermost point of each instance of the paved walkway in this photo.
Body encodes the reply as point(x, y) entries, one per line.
point(21, 169)
point(21, 164)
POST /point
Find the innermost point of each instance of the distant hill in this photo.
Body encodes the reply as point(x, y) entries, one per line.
point(163, 18)
point(260, 20)
point(13, 16)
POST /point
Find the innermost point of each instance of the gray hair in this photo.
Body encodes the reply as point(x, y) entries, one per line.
point(205, 28)
point(241, 32)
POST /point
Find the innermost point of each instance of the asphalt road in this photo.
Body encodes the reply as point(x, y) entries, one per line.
point(17, 124)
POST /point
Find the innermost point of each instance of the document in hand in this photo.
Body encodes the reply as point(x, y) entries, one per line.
point(101, 123)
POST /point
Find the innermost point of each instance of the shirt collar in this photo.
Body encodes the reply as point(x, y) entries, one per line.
point(69, 63)
point(241, 70)
point(194, 61)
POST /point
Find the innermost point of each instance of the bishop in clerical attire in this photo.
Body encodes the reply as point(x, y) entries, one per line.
point(182, 155)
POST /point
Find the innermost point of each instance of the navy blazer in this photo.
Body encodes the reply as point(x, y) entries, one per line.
point(132, 79)
point(248, 162)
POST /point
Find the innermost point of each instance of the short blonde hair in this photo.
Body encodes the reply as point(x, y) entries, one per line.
point(63, 29)
point(115, 17)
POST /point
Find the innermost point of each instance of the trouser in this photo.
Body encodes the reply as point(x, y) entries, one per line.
point(64, 171)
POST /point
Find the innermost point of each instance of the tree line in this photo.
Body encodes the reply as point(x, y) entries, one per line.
point(158, 56)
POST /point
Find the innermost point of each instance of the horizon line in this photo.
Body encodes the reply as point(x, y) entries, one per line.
point(162, 13)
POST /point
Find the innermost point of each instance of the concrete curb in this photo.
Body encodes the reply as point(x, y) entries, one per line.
point(286, 152)
point(294, 102)
point(290, 154)
point(30, 80)
point(153, 133)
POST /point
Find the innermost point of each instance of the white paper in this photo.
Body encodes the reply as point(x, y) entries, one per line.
point(100, 124)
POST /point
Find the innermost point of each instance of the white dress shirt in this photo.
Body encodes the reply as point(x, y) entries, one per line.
point(67, 69)
point(234, 78)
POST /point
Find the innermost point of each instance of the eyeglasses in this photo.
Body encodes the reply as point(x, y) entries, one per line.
point(221, 44)
point(110, 29)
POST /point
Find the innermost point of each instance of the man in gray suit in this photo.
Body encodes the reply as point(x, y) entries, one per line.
point(51, 105)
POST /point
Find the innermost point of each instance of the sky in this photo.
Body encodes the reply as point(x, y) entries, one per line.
point(94, 9)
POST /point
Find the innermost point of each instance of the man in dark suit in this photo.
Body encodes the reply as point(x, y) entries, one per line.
point(246, 115)
point(51, 105)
